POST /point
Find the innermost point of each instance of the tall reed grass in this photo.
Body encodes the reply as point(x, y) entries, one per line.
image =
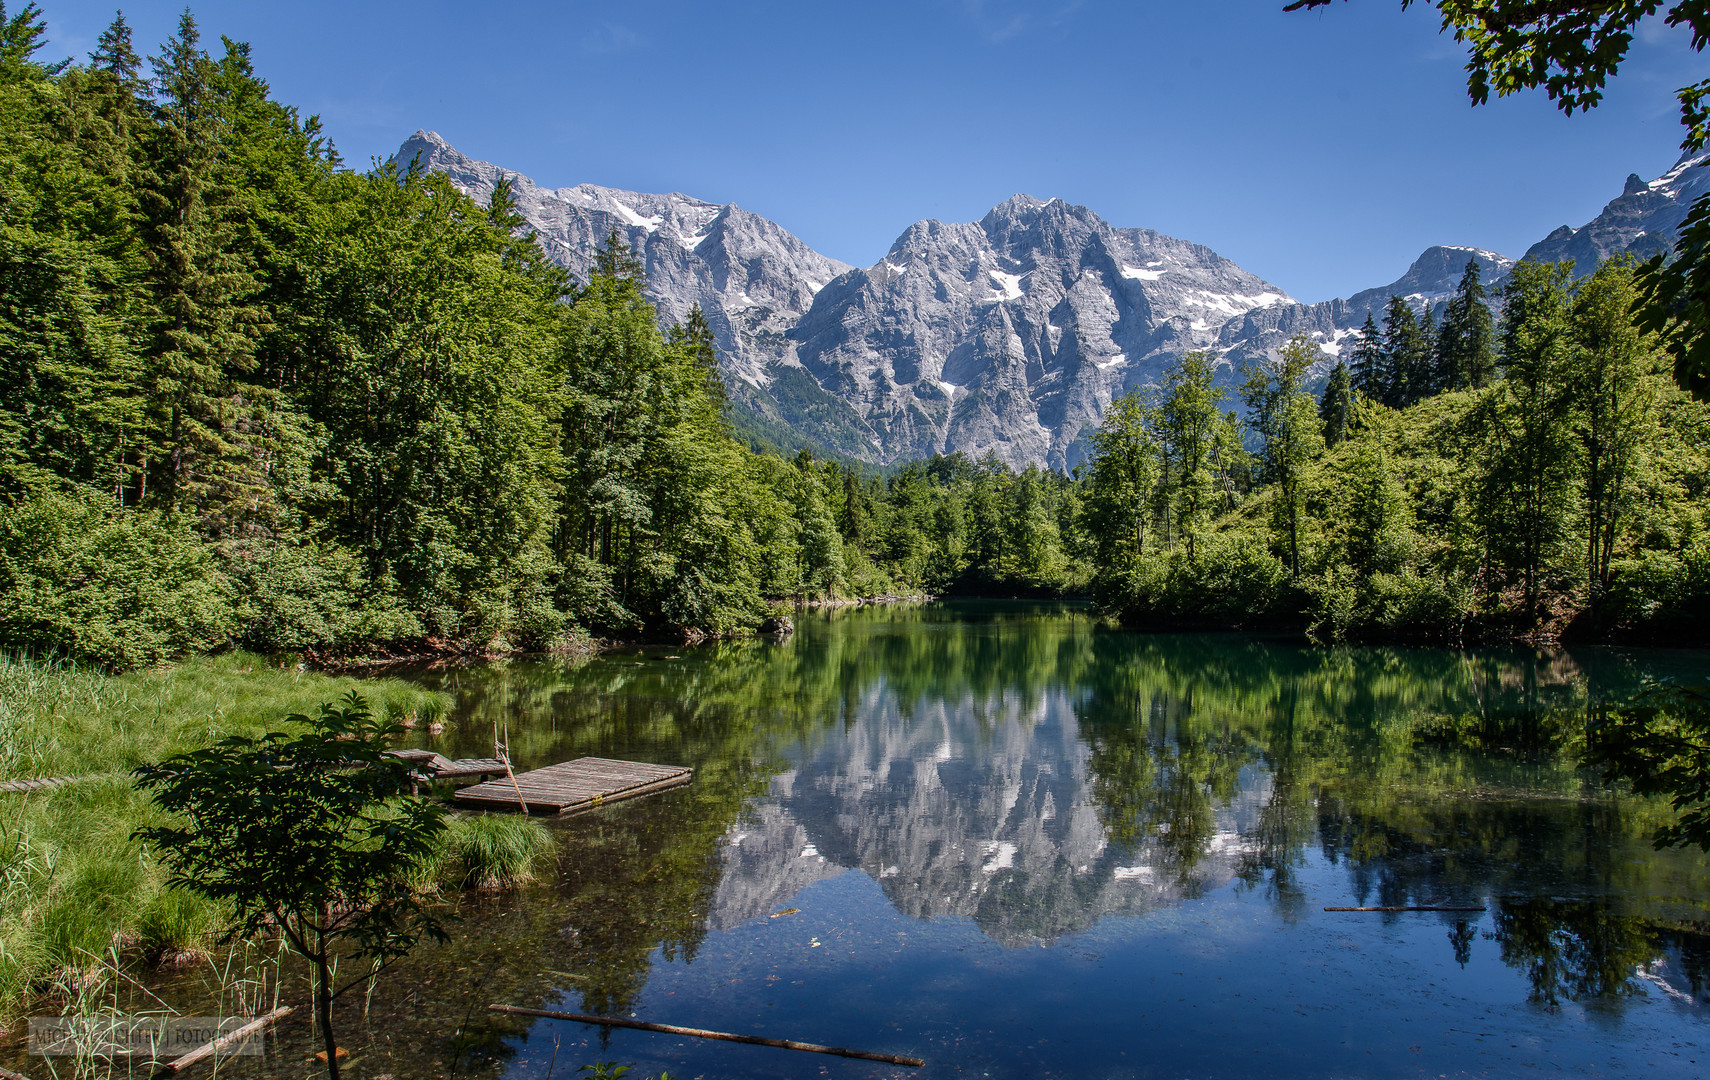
point(488, 852)
point(73, 882)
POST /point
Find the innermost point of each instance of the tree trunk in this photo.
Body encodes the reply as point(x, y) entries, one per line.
point(323, 1011)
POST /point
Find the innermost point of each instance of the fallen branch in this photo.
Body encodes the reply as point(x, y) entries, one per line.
point(208, 1049)
point(7, 1074)
point(1404, 909)
point(699, 1033)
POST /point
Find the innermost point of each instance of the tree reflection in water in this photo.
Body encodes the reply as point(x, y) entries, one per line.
point(1034, 773)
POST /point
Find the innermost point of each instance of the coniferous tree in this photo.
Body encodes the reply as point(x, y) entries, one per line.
point(1425, 380)
point(21, 37)
point(1466, 348)
point(616, 260)
point(695, 335)
point(115, 54)
point(1336, 405)
point(1406, 354)
point(204, 287)
point(1371, 366)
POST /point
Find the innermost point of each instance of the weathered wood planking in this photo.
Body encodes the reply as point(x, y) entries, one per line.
point(573, 786)
point(443, 768)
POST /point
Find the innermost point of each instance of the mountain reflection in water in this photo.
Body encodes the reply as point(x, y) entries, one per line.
point(1025, 843)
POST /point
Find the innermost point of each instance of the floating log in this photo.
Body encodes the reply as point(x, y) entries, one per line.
point(209, 1049)
point(722, 1036)
point(1432, 908)
point(573, 786)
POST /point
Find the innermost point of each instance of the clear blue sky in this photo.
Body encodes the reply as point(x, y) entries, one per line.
point(1319, 150)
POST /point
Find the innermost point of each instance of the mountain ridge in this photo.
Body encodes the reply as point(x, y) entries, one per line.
point(1006, 336)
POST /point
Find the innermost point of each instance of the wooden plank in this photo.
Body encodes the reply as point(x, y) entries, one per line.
point(470, 767)
point(646, 789)
point(579, 784)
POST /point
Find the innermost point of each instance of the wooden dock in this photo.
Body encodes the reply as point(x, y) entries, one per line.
point(437, 767)
point(573, 786)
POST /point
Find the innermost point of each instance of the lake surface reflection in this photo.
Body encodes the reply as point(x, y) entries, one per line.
point(1022, 844)
point(1018, 844)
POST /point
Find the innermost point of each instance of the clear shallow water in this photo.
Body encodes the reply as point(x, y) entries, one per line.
point(1025, 846)
point(1021, 845)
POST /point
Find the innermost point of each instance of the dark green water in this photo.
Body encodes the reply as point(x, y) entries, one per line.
point(1022, 845)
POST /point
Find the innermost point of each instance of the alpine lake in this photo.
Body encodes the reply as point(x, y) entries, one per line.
point(1017, 842)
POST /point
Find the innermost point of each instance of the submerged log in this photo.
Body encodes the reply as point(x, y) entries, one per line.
point(1422, 908)
point(701, 1033)
point(208, 1049)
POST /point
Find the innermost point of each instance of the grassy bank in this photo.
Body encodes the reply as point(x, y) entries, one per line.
point(72, 881)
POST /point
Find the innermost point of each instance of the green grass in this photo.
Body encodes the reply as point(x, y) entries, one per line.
point(73, 883)
point(489, 851)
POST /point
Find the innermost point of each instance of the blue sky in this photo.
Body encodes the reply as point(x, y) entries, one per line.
point(1322, 150)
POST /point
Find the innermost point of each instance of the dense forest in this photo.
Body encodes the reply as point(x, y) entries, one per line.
point(1529, 476)
point(258, 398)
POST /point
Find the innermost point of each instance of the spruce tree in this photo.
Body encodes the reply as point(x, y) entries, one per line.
point(1466, 347)
point(203, 286)
point(115, 55)
point(617, 261)
point(1405, 354)
point(1336, 404)
point(1423, 380)
point(21, 37)
point(1370, 363)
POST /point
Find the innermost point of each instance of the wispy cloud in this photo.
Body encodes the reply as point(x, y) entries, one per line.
point(612, 38)
point(1001, 20)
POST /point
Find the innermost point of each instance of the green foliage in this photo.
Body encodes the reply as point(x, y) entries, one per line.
point(1660, 744)
point(125, 588)
point(311, 834)
point(1566, 497)
point(262, 399)
point(487, 852)
point(71, 874)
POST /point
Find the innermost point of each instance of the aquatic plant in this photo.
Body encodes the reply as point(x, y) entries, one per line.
point(498, 851)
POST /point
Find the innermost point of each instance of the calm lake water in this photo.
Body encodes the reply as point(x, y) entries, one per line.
point(1017, 843)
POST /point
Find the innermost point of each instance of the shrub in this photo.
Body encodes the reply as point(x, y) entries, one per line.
point(124, 588)
point(311, 596)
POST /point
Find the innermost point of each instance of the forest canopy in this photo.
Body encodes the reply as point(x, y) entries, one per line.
point(258, 398)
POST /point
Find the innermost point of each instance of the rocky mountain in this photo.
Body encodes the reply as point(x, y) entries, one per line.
point(1009, 335)
point(1643, 220)
point(752, 279)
